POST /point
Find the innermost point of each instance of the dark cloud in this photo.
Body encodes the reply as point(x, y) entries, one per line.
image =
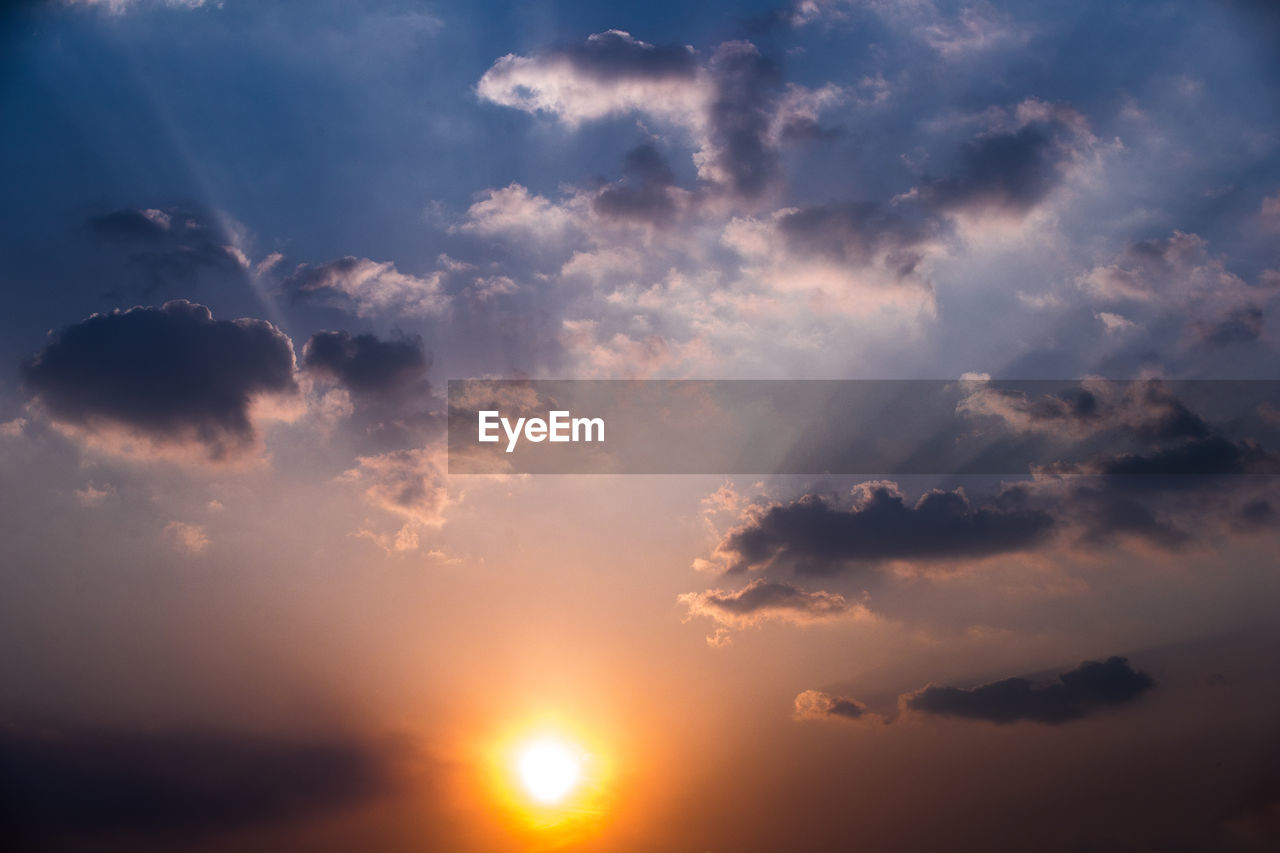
point(815, 705)
point(857, 233)
point(1148, 410)
point(131, 224)
point(735, 106)
point(747, 86)
point(1009, 171)
point(1113, 507)
point(763, 594)
point(177, 787)
point(1090, 687)
point(172, 374)
point(169, 246)
point(614, 55)
point(644, 193)
point(1240, 325)
point(764, 599)
point(1164, 417)
point(1257, 514)
point(815, 536)
point(366, 365)
point(1203, 456)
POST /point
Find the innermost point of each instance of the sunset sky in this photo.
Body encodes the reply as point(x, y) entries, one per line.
point(247, 243)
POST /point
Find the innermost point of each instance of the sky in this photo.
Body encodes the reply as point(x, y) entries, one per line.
point(246, 245)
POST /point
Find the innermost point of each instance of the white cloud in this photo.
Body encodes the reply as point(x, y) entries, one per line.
point(371, 287)
point(190, 538)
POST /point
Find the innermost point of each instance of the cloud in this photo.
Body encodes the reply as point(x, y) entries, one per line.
point(1178, 278)
point(814, 535)
point(1114, 323)
point(190, 538)
point(1210, 455)
point(1182, 462)
point(646, 193)
point(970, 29)
point(1180, 440)
point(1080, 692)
point(816, 705)
point(1091, 687)
point(610, 73)
point(734, 108)
point(764, 600)
point(1010, 168)
point(368, 287)
point(180, 787)
point(170, 375)
point(743, 152)
point(366, 365)
point(1146, 409)
point(1270, 212)
point(854, 258)
point(408, 484)
point(117, 7)
point(1241, 324)
point(973, 29)
point(172, 245)
point(859, 235)
point(514, 212)
point(94, 495)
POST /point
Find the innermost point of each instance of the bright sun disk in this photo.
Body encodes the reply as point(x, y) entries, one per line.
point(549, 769)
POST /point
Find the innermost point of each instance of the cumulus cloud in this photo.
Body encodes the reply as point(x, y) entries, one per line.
point(191, 538)
point(1011, 167)
point(610, 73)
point(1209, 455)
point(1146, 409)
point(514, 212)
point(734, 108)
point(1179, 277)
point(365, 364)
point(816, 705)
point(1088, 689)
point(856, 258)
point(764, 600)
point(1080, 692)
point(816, 535)
point(169, 376)
point(368, 287)
point(1180, 441)
point(410, 485)
point(172, 245)
point(177, 787)
point(1114, 323)
point(646, 193)
point(1166, 490)
point(742, 152)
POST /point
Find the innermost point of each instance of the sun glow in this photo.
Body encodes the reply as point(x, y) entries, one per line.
point(554, 778)
point(549, 769)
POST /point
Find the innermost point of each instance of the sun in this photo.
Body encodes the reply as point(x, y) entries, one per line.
point(549, 769)
point(552, 777)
